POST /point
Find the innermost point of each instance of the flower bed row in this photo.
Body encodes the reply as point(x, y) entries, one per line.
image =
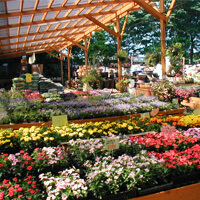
point(23, 110)
point(29, 138)
point(88, 171)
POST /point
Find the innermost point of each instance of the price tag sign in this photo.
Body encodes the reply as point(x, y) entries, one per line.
point(28, 78)
point(154, 112)
point(145, 115)
point(111, 144)
point(60, 120)
point(196, 112)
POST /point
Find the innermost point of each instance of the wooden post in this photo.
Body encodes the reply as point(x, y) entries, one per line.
point(163, 32)
point(119, 39)
point(61, 69)
point(68, 65)
point(86, 55)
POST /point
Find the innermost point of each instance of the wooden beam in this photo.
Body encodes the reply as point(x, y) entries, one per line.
point(124, 25)
point(75, 43)
point(151, 10)
point(109, 30)
point(170, 9)
point(53, 55)
point(54, 48)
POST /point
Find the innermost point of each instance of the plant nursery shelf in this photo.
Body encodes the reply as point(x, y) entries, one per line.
point(179, 111)
point(191, 192)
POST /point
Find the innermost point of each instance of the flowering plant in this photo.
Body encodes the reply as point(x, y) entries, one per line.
point(24, 189)
point(181, 162)
point(5, 166)
point(22, 164)
point(163, 90)
point(184, 94)
point(50, 159)
point(66, 185)
point(110, 176)
point(160, 142)
point(193, 132)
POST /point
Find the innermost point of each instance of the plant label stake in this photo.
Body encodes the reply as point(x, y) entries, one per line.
point(60, 120)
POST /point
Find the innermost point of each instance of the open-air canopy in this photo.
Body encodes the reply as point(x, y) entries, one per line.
point(35, 26)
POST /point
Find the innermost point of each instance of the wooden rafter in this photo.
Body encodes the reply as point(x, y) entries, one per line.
point(151, 10)
point(74, 6)
point(109, 30)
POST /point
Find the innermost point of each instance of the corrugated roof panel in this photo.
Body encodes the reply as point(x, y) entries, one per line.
point(13, 6)
point(61, 33)
point(62, 13)
point(5, 41)
point(20, 45)
point(26, 18)
point(117, 7)
point(29, 5)
point(74, 11)
point(83, 1)
point(29, 37)
point(13, 20)
point(33, 28)
point(43, 4)
point(96, 9)
point(46, 35)
point(70, 2)
point(83, 21)
point(52, 27)
point(62, 25)
point(43, 28)
point(22, 39)
point(3, 22)
point(50, 15)
point(2, 7)
point(54, 34)
point(13, 46)
point(38, 17)
point(57, 3)
point(85, 11)
point(13, 31)
point(38, 36)
point(23, 30)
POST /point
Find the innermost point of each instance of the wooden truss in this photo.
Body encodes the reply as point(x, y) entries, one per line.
point(45, 25)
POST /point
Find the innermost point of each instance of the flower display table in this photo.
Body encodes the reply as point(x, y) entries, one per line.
point(179, 111)
point(191, 192)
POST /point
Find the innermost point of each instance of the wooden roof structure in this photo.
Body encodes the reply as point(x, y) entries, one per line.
point(28, 26)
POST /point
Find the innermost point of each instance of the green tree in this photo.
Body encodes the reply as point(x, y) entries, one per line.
point(184, 26)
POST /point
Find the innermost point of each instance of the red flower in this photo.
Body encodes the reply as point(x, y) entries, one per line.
point(21, 195)
point(5, 181)
point(29, 182)
point(15, 179)
point(20, 189)
point(29, 168)
point(10, 193)
point(1, 195)
point(34, 186)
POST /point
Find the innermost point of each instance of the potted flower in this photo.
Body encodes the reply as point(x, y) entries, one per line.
point(122, 55)
point(175, 53)
point(154, 58)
